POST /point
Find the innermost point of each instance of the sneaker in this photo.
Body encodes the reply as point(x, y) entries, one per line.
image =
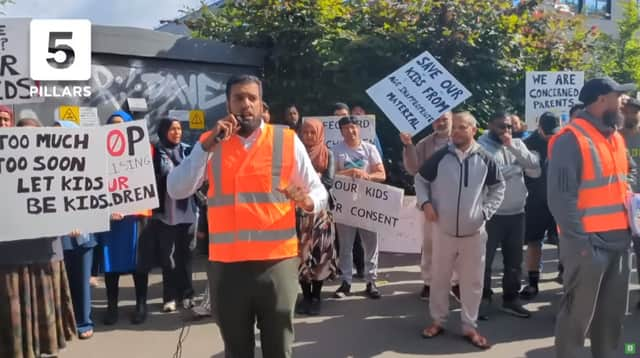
point(314, 306)
point(169, 306)
point(515, 309)
point(343, 291)
point(424, 294)
point(372, 291)
point(201, 311)
point(529, 292)
point(188, 303)
point(455, 292)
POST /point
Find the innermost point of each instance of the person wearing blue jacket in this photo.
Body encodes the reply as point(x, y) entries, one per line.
point(78, 258)
point(118, 248)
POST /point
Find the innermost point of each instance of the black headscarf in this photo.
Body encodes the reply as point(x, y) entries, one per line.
point(175, 152)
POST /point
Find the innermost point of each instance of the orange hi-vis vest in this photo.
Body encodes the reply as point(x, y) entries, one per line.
point(249, 219)
point(603, 185)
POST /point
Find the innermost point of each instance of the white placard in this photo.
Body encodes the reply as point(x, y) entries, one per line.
point(89, 117)
point(365, 204)
point(181, 115)
point(332, 133)
point(407, 237)
point(418, 93)
point(132, 182)
point(14, 62)
point(54, 182)
point(551, 92)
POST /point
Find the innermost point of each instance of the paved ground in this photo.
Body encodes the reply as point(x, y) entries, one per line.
point(356, 327)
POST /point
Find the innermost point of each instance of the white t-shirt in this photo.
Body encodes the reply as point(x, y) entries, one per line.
point(365, 156)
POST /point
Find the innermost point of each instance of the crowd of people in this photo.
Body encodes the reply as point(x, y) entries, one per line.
point(256, 189)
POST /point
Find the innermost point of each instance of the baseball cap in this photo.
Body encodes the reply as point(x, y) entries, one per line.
point(597, 87)
point(549, 123)
point(633, 102)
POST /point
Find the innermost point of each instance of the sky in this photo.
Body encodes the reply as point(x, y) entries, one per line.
point(136, 13)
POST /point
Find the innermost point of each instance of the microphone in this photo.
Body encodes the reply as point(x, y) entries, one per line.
point(220, 137)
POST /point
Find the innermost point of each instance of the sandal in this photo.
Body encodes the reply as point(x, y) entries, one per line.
point(86, 335)
point(477, 340)
point(432, 331)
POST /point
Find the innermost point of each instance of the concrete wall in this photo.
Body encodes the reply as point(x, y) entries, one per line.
point(170, 72)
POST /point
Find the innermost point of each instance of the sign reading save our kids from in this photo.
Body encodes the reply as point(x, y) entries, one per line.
point(57, 180)
point(365, 204)
point(418, 93)
point(552, 92)
point(132, 183)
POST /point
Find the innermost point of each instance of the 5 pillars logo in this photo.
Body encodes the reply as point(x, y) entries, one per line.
point(60, 50)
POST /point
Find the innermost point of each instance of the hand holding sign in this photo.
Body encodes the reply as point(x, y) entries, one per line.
point(405, 138)
point(116, 216)
point(430, 213)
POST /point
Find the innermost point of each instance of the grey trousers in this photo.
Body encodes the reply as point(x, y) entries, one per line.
point(594, 301)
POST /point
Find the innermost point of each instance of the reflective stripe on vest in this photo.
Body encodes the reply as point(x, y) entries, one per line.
point(274, 197)
point(603, 212)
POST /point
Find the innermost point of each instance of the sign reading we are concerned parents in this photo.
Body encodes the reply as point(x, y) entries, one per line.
point(554, 92)
point(54, 181)
point(418, 93)
point(366, 204)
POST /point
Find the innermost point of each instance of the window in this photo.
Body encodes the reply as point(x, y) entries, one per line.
point(592, 8)
point(598, 8)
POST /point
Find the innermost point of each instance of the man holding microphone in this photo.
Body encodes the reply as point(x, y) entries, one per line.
point(257, 173)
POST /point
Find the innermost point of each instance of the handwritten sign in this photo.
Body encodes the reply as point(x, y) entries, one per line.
point(14, 62)
point(418, 93)
point(131, 183)
point(54, 182)
point(365, 204)
point(332, 133)
point(551, 92)
point(408, 235)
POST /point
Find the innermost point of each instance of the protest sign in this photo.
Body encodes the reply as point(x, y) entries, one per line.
point(407, 236)
point(14, 62)
point(551, 92)
point(332, 133)
point(365, 204)
point(417, 94)
point(54, 182)
point(131, 181)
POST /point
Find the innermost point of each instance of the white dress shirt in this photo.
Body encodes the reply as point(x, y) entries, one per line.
point(187, 177)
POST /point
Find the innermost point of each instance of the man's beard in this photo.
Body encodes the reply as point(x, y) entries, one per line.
point(611, 118)
point(631, 123)
point(247, 126)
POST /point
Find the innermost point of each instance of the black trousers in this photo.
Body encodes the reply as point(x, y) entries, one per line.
point(506, 231)
point(168, 246)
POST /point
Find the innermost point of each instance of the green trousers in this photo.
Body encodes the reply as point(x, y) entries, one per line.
point(244, 293)
point(594, 301)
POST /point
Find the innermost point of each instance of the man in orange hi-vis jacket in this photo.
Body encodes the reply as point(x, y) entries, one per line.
point(257, 173)
point(587, 184)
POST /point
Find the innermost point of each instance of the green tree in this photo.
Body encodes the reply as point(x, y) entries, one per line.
point(619, 56)
point(323, 51)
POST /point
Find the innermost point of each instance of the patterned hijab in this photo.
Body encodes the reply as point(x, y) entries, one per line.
point(318, 151)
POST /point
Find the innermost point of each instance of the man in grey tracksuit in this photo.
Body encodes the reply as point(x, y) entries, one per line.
point(459, 188)
point(507, 228)
point(596, 267)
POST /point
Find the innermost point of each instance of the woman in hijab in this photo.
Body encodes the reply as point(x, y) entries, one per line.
point(316, 232)
point(166, 240)
point(118, 248)
point(36, 311)
point(78, 258)
point(6, 117)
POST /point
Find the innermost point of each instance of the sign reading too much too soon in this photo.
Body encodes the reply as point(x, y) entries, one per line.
point(418, 93)
point(365, 204)
point(58, 180)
